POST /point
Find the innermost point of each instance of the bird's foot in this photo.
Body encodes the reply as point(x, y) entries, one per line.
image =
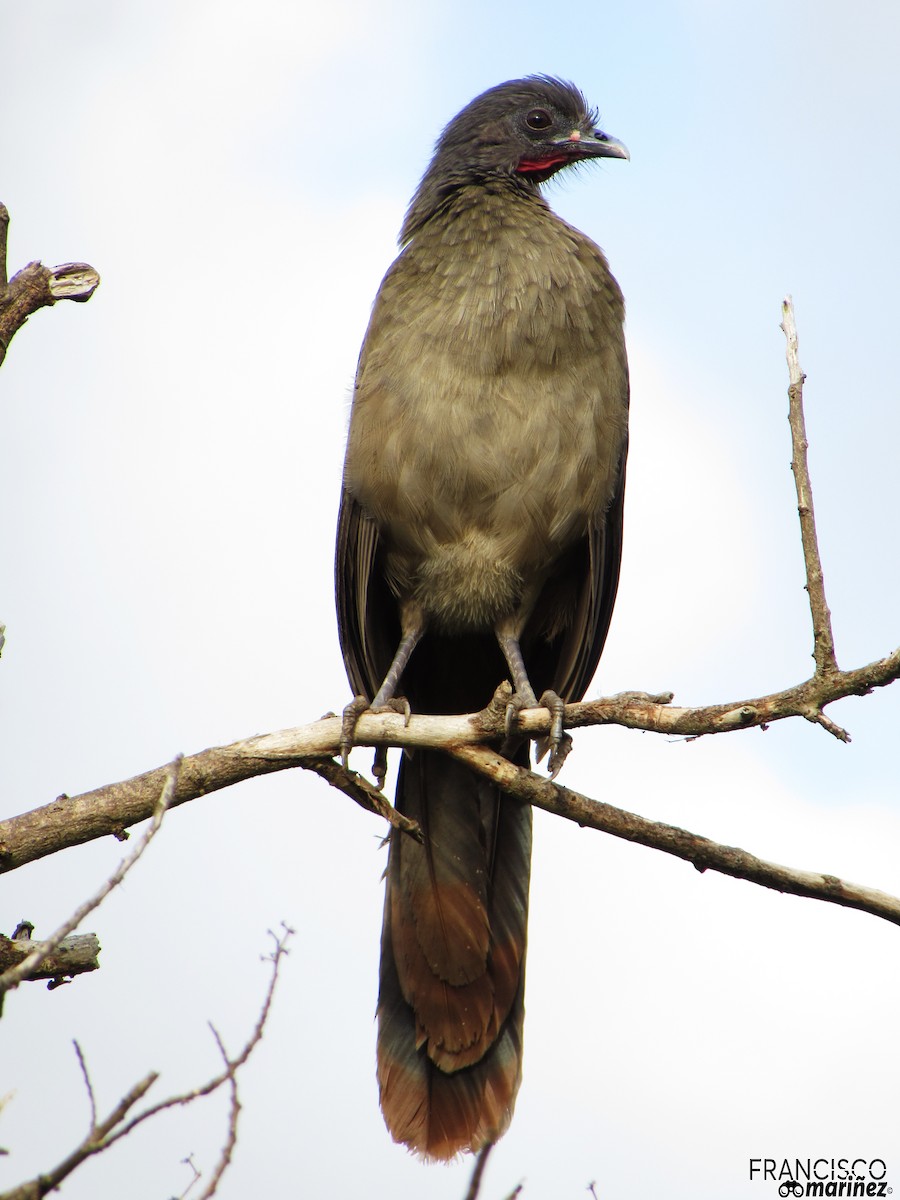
point(350, 719)
point(557, 740)
point(514, 705)
point(379, 767)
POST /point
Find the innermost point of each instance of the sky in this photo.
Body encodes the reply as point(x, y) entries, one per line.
point(170, 458)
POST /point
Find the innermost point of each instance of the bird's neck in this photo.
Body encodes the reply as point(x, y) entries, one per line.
point(441, 195)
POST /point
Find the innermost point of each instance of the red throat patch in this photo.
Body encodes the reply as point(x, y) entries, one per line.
point(528, 165)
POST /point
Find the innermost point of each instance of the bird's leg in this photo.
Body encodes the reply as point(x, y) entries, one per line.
point(408, 642)
point(412, 626)
point(557, 742)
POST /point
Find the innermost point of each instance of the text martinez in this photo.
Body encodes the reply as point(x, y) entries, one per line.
point(823, 1176)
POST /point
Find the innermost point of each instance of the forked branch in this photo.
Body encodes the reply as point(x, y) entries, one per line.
point(109, 810)
point(118, 1124)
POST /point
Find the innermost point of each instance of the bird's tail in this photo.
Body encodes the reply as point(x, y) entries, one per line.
point(450, 1003)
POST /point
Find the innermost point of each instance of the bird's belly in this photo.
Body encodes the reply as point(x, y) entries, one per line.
point(481, 482)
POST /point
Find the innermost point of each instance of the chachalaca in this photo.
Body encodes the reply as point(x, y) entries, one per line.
point(479, 537)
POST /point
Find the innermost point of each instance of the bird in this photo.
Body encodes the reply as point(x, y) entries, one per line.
point(479, 539)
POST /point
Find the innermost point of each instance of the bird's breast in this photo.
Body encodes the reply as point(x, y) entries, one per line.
point(489, 412)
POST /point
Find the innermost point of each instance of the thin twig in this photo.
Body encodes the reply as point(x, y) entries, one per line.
point(823, 638)
point(107, 1132)
point(46, 1183)
point(87, 1084)
point(189, 1162)
point(477, 1172)
point(365, 794)
point(24, 970)
point(216, 1082)
point(234, 1113)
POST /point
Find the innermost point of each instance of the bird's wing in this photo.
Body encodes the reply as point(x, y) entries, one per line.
point(564, 637)
point(601, 584)
point(367, 612)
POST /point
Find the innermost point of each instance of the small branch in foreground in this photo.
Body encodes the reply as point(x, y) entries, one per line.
point(85, 1074)
point(27, 967)
point(234, 1112)
point(480, 1163)
point(233, 1065)
point(115, 1126)
point(42, 1185)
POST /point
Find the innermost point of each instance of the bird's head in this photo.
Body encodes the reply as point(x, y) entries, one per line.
point(531, 127)
point(524, 129)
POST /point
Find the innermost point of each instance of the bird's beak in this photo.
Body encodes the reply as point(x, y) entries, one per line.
point(593, 145)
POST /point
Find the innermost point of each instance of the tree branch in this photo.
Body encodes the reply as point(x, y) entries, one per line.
point(115, 1126)
point(26, 968)
point(37, 286)
point(70, 956)
point(703, 853)
point(823, 639)
point(68, 821)
point(93, 1143)
point(478, 1171)
point(110, 810)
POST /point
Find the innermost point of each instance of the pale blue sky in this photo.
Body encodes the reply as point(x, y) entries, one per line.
point(169, 472)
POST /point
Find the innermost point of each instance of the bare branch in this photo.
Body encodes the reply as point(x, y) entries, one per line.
point(701, 851)
point(87, 1084)
point(26, 968)
point(364, 793)
point(216, 1082)
point(823, 639)
point(37, 286)
point(4, 236)
point(110, 810)
point(234, 1112)
point(41, 1186)
point(480, 1163)
point(189, 1161)
point(107, 1132)
point(74, 955)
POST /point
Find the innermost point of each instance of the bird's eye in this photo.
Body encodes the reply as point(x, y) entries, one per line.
point(538, 118)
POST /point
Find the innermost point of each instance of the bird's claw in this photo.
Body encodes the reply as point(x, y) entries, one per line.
point(350, 719)
point(557, 740)
point(379, 766)
point(559, 752)
point(557, 707)
point(514, 706)
point(399, 704)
